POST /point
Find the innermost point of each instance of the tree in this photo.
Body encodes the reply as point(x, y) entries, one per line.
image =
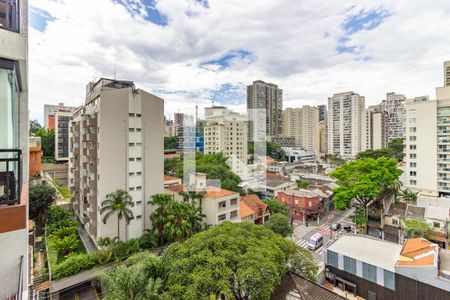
point(66, 244)
point(118, 202)
point(170, 143)
point(105, 242)
point(139, 278)
point(272, 149)
point(47, 141)
point(302, 184)
point(160, 216)
point(178, 227)
point(277, 207)
point(416, 229)
point(375, 153)
point(361, 182)
point(195, 217)
point(41, 197)
point(396, 148)
point(279, 223)
point(34, 127)
point(232, 261)
point(334, 159)
point(408, 195)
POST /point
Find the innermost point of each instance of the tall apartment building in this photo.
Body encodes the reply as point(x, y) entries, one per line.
point(14, 150)
point(374, 128)
point(264, 106)
point(303, 125)
point(428, 143)
point(227, 133)
point(62, 121)
point(444, 91)
point(394, 106)
point(50, 111)
point(323, 142)
point(345, 115)
point(178, 118)
point(322, 112)
point(116, 142)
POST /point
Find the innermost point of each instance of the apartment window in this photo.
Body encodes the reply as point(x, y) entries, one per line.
point(130, 129)
point(369, 272)
point(413, 155)
point(389, 280)
point(138, 115)
point(394, 221)
point(222, 217)
point(131, 188)
point(130, 174)
point(131, 115)
point(138, 188)
point(138, 144)
point(350, 265)
point(436, 225)
point(233, 201)
point(412, 138)
point(412, 147)
point(138, 129)
point(233, 214)
point(138, 173)
point(412, 129)
point(412, 182)
point(138, 217)
point(138, 202)
point(222, 204)
point(412, 121)
point(413, 164)
point(412, 173)
point(332, 258)
point(9, 105)
point(9, 15)
point(138, 158)
point(131, 144)
point(131, 159)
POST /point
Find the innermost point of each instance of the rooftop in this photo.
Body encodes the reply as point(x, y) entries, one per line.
point(437, 213)
point(211, 192)
point(415, 212)
point(397, 210)
point(367, 249)
point(304, 193)
point(255, 204)
point(418, 252)
point(168, 178)
point(245, 210)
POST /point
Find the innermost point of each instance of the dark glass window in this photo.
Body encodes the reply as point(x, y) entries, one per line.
point(9, 15)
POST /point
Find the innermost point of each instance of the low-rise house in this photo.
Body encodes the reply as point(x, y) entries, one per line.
point(253, 209)
point(375, 269)
point(305, 204)
point(271, 187)
point(171, 181)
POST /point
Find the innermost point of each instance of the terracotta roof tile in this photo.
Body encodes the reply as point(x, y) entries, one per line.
point(255, 203)
point(178, 188)
point(167, 178)
point(417, 252)
point(245, 210)
point(215, 193)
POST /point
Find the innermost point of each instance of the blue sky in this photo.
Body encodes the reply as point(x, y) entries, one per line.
point(196, 51)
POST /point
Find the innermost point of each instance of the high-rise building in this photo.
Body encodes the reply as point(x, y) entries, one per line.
point(14, 262)
point(116, 142)
point(345, 115)
point(264, 106)
point(444, 91)
point(62, 121)
point(374, 128)
point(427, 143)
point(447, 73)
point(227, 133)
point(303, 125)
point(50, 111)
point(323, 137)
point(322, 112)
point(394, 106)
point(178, 118)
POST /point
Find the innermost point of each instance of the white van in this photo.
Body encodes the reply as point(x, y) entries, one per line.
point(315, 241)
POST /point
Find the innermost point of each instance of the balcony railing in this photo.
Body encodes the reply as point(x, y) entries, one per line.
point(10, 176)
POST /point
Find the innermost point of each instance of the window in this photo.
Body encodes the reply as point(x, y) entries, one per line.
point(412, 121)
point(412, 147)
point(412, 182)
point(332, 258)
point(369, 272)
point(138, 173)
point(413, 164)
point(138, 129)
point(131, 144)
point(130, 129)
point(233, 201)
point(138, 202)
point(131, 115)
point(233, 214)
point(436, 225)
point(9, 106)
point(389, 280)
point(138, 115)
point(412, 129)
point(9, 15)
point(413, 138)
point(138, 217)
point(412, 173)
point(131, 174)
point(222, 204)
point(350, 265)
point(138, 158)
point(138, 188)
point(222, 217)
point(413, 155)
point(394, 221)
point(131, 159)
point(131, 189)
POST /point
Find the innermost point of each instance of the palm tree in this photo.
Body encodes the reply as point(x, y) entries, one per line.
point(178, 226)
point(159, 216)
point(195, 216)
point(117, 202)
point(408, 195)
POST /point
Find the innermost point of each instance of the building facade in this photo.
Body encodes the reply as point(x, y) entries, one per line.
point(265, 107)
point(116, 142)
point(322, 113)
point(374, 128)
point(345, 115)
point(14, 154)
point(323, 142)
point(303, 125)
point(62, 121)
point(50, 111)
point(394, 106)
point(304, 204)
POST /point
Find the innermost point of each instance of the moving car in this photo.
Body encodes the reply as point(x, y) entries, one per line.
point(347, 229)
point(335, 226)
point(315, 241)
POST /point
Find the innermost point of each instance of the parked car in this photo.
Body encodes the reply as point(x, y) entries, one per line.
point(335, 226)
point(315, 241)
point(347, 229)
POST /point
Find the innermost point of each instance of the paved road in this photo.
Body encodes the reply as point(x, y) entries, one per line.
point(302, 233)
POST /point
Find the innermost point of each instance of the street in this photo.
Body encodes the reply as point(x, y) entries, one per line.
point(303, 233)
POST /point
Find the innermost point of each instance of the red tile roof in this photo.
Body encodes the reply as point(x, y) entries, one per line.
point(167, 178)
point(417, 252)
point(178, 188)
point(245, 210)
point(255, 204)
point(211, 192)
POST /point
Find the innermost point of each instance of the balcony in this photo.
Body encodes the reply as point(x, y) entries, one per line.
point(92, 168)
point(10, 176)
point(9, 15)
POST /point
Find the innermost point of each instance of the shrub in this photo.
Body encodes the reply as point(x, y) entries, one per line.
point(122, 250)
point(74, 264)
point(56, 214)
point(65, 245)
point(102, 257)
point(62, 232)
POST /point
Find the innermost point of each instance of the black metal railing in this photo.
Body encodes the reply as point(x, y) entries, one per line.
point(10, 176)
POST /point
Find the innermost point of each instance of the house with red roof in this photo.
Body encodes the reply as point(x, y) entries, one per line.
point(254, 210)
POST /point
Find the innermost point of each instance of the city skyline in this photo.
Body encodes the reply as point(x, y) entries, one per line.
point(211, 61)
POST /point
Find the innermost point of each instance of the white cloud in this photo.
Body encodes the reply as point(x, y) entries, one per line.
point(292, 43)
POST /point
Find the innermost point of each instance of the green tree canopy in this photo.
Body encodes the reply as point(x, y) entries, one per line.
point(170, 143)
point(302, 184)
point(396, 148)
point(233, 260)
point(34, 127)
point(363, 181)
point(272, 149)
point(47, 141)
point(279, 223)
point(393, 150)
point(41, 196)
point(277, 207)
point(408, 195)
point(416, 229)
point(118, 202)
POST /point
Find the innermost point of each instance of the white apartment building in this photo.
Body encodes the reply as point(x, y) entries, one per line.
point(303, 124)
point(345, 116)
point(50, 111)
point(428, 143)
point(14, 260)
point(116, 142)
point(374, 128)
point(62, 122)
point(394, 106)
point(171, 129)
point(323, 142)
point(226, 132)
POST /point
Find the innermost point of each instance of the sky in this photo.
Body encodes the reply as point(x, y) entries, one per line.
point(193, 52)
